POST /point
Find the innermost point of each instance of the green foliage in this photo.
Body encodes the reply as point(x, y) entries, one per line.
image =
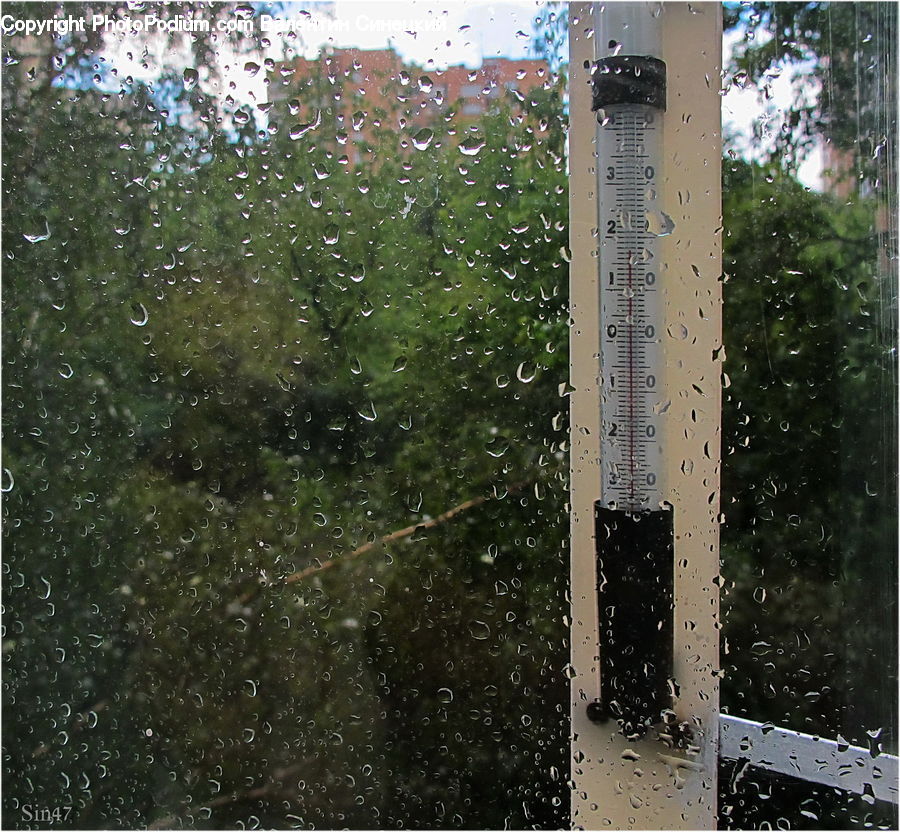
point(809, 485)
point(845, 55)
point(237, 358)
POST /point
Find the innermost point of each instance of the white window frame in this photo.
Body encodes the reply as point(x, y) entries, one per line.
point(641, 783)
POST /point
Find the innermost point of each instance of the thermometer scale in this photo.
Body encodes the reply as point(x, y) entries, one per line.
point(634, 526)
point(630, 97)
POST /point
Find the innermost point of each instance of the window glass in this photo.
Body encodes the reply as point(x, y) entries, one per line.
point(285, 425)
point(284, 362)
point(809, 541)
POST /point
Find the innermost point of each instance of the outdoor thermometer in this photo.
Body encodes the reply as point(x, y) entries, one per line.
point(634, 526)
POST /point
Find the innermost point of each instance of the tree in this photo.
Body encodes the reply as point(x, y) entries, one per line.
point(234, 366)
point(845, 53)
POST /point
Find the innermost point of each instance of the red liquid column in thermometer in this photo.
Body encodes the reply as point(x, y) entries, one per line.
point(631, 307)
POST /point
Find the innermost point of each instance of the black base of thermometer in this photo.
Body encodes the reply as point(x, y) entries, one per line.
point(635, 576)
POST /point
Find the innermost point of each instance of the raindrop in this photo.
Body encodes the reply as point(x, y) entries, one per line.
point(300, 130)
point(526, 372)
point(190, 77)
point(425, 84)
point(472, 146)
point(139, 314)
point(39, 238)
point(660, 224)
point(399, 364)
point(422, 139)
point(498, 446)
point(479, 630)
point(9, 481)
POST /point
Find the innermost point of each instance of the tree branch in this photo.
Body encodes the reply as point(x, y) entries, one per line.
point(392, 537)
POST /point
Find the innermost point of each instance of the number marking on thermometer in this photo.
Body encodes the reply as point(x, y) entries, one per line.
point(631, 364)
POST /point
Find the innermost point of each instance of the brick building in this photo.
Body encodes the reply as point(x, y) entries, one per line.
point(371, 88)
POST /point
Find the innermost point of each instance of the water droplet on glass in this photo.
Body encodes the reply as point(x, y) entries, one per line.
point(498, 446)
point(526, 372)
point(39, 238)
point(472, 146)
point(660, 223)
point(479, 630)
point(139, 314)
point(422, 139)
point(300, 130)
point(190, 77)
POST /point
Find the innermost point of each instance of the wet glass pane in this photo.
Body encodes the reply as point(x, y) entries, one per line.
point(285, 427)
point(809, 541)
